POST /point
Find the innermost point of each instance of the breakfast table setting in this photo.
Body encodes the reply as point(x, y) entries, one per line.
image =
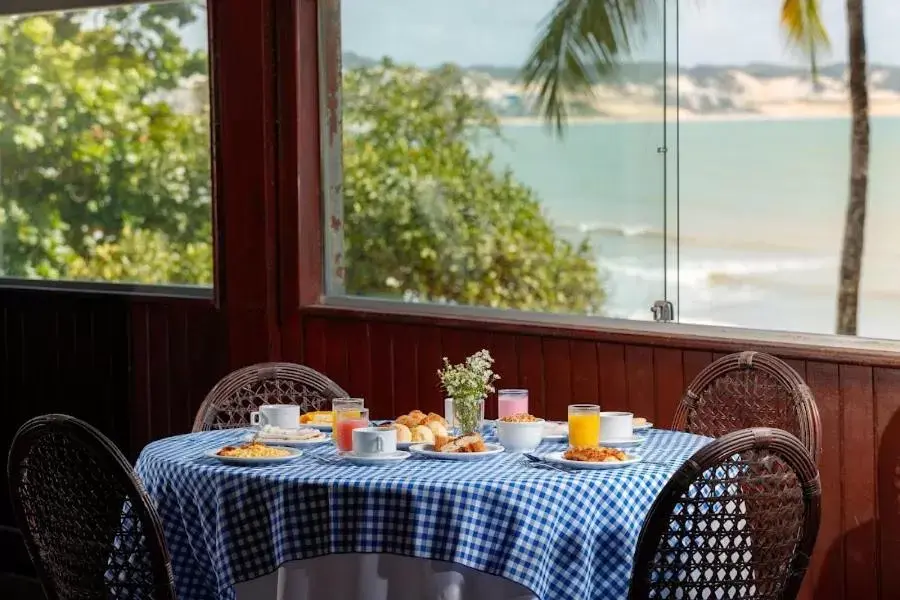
point(335, 504)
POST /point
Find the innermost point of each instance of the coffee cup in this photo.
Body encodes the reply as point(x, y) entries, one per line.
point(616, 426)
point(368, 441)
point(283, 416)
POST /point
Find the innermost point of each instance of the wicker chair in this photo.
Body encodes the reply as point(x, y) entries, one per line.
point(750, 389)
point(88, 524)
point(738, 520)
point(241, 392)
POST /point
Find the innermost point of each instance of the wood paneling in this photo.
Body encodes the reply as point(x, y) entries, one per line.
point(139, 367)
point(859, 540)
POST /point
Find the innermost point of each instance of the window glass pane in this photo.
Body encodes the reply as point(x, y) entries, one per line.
point(765, 169)
point(104, 145)
point(455, 190)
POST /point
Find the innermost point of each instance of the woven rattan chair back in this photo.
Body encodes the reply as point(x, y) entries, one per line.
point(89, 526)
point(738, 520)
point(750, 389)
point(241, 392)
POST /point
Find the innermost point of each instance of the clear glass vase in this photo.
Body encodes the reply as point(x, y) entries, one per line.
point(469, 416)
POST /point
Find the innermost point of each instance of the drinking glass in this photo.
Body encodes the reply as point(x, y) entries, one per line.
point(511, 402)
point(346, 419)
point(584, 424)
point(342, 403)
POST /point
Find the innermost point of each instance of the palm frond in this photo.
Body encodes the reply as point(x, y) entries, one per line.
point(580, 42)
point(802, 21)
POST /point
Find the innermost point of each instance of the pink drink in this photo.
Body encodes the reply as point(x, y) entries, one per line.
point(512, 402)
point(344, 431)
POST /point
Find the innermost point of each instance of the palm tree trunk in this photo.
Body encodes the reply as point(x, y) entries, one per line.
point(854, 228)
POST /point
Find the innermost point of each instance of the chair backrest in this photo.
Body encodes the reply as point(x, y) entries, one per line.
point(89, 526)
point(750, 389)
point(241, 392)
point(738, 520)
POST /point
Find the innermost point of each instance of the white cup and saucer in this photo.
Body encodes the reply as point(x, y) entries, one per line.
point(276, 416)
point(374, 446)
point(617, 430)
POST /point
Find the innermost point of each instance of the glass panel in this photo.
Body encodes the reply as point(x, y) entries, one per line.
point(456, 191)
point(104, 145)
point(765, 170)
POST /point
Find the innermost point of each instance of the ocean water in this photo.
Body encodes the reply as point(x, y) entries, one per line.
point(760, 205)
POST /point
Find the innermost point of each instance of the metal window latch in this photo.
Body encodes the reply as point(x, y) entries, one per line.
point(663, 311)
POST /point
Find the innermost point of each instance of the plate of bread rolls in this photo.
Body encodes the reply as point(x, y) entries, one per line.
point(418, 428)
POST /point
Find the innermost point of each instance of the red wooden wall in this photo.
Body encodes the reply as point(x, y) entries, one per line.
point(139, 367)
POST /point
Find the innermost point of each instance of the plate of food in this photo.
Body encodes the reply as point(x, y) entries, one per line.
point(254, 453)
point(318, 419)
point(418, 428)
point(465, 447)
point(556, 431)
point(640, 424)
point(296, 438)
point(592, 457)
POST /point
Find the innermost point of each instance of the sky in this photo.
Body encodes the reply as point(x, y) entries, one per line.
point(500, 32)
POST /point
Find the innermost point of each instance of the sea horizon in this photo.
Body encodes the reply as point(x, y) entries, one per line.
point(761, 215)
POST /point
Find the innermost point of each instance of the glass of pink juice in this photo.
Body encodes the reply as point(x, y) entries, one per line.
point(342, 403)
point(345, 421)
point(511, 402)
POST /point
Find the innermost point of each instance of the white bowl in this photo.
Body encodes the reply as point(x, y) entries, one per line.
point(520, 437)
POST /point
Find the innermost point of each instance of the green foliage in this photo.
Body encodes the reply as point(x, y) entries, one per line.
point(101, 178)
point(90, 149)
point(428, 218)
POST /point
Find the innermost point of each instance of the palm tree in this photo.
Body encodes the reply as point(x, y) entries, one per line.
point(582, 41)
point(854, 226)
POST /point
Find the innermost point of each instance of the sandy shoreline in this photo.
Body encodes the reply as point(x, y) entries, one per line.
point(775, 112)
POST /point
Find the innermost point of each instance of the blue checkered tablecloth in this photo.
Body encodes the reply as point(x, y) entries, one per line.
point(563, 535)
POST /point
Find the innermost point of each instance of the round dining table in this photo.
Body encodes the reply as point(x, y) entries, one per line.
point(499, 527)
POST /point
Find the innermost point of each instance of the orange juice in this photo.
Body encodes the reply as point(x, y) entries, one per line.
point(584, 428)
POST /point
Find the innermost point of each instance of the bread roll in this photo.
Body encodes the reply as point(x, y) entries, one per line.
point(420, 433)
point(436, 418)
point(418, 417)
point(403, 432)
point(437, 428)
point(407, 421)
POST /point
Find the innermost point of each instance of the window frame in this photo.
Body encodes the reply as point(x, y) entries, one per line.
point(827, 347)
point(168, 290)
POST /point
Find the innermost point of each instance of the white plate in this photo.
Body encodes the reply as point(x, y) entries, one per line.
point(643, 427)
point(633, 442)
point(557, 457)
point(292, 443)
point(317, 426)
point(259, 460)
point(427, 450)
point(373, 459)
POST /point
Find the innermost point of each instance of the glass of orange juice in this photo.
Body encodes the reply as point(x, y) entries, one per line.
point(584, 424)
point(339, 404)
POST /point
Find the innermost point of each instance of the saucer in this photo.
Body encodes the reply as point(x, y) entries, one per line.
point(631, 442)
point(374, 459)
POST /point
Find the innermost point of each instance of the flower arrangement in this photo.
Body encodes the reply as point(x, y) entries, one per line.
point(468, 383)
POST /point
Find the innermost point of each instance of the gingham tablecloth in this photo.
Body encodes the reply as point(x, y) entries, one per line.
point(564, 536)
